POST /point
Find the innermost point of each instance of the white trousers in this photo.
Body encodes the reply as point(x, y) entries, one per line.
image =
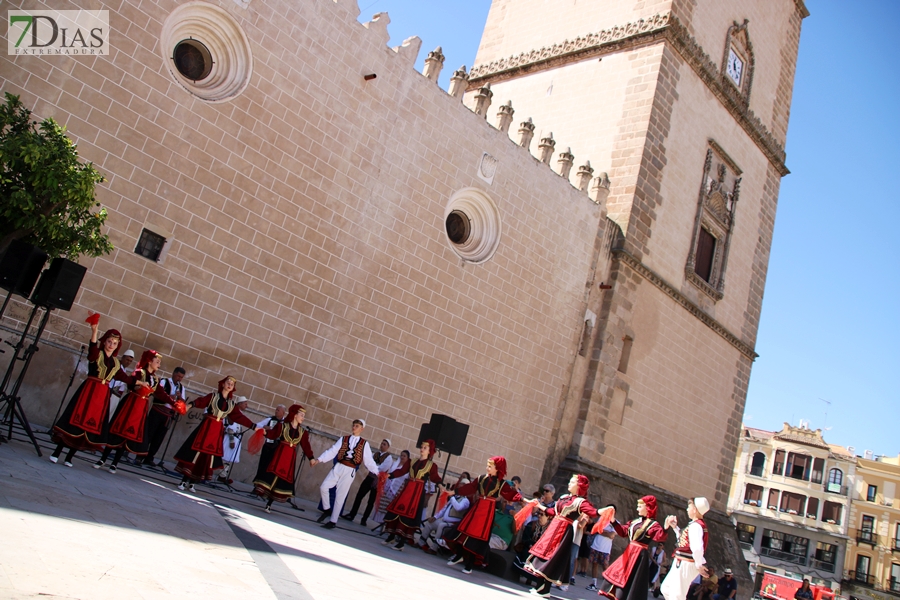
point(437, 528)
point(341, 477)
point(677, 582)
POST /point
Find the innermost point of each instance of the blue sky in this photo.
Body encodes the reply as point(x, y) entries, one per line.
point(828, 341)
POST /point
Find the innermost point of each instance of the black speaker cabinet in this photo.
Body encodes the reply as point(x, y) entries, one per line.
point(20, 267)
point(448, 434)
point(59, 284)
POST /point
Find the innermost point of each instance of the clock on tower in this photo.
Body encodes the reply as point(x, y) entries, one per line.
point(735, 67)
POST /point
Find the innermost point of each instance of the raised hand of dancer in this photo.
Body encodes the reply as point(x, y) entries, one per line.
point(671, 522)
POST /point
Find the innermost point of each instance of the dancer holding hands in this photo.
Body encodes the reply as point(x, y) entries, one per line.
point(276, 481)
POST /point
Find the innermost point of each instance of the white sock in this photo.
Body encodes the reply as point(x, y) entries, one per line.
point(594, 581)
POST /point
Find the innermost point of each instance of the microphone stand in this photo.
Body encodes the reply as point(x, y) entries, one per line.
point(68, 387)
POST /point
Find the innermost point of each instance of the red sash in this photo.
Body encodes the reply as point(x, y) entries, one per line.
point(406, 503)
point(549, 542)
point(209, 437)
point(282, 463)
point(618, 572)
point(478, 521)
point(92, 408)
point(132, 418)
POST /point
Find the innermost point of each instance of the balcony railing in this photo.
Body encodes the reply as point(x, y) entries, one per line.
point(895, 545)
point(892, 585)
point(834, 488)
point(865, 536)
point(861, 578)
point(821, 565)
point(757, 471)
point(784, 556)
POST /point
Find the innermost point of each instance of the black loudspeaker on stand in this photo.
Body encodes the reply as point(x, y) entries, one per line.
point(449, 435)
point(57, 288)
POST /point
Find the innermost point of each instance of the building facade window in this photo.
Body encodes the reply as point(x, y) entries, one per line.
point(746, 533)
point(862, 566)
point(871, 493)
point(866, 533)
point(894, 581)
point(817, 470)
point(758, 465)
point(773, 499)
point(784, 546)
point(826, 553)
point(792, 503)
point(753, 495)
point(831, 512)
point(714, 222)
point(150, 245)
point(835, 480)
point(778, 466)
point(812, 508)
point(798, 466)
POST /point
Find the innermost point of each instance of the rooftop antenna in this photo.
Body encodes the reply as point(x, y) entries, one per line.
point(828, 402)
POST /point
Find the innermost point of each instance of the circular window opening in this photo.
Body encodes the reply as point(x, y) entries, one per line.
point(458, 227)
point(192, 59)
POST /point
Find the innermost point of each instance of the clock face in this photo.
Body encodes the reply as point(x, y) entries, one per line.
point(735, 67)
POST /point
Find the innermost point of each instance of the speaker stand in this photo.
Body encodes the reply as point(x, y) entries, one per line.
point(14, 411)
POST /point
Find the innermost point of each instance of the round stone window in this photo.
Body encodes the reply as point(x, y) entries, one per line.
point(472, 225)
point(206, 51)
point(192, 59)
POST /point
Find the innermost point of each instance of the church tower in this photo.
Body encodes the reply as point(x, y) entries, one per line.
point(685, 104)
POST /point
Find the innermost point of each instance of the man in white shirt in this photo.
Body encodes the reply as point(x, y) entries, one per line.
point(689, 560)
point(351, 451)
point(601, 546)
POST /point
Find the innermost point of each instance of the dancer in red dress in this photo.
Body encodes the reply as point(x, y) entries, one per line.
point(200, 456)
point(471, 539)
point(128, 427)
point(551, 556)
point(628, 578)
point(276, 483)
point(84, 424)
point(404, 514)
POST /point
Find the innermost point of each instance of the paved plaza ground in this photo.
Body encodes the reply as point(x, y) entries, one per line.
point(88, 534)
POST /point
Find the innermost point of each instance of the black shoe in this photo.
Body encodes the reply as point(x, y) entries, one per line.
point(348, 517)
point(363, 522)
point(329, 525)
point(325, 514)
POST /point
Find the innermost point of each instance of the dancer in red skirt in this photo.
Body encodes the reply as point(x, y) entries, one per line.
point(551, 556)
point(471, 540)
point(200, 456)
point(276, 483)
point(628, 578)
point(84, 424)
point(404, 514)
point(128, 427)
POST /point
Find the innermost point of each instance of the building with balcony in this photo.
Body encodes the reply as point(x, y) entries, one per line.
point(872, 563)
point(789, 500)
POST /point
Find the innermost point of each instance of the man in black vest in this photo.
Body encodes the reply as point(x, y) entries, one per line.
point(161, 414)
point(369, 485)
point(351, 451)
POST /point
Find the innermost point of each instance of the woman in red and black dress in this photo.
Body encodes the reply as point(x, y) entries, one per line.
point(84, 424)
point(628, 578)
point(404, 514)
point(551, 556)
point(276, 483)
point(128, 427)
point(200, 456)
point(471, 539)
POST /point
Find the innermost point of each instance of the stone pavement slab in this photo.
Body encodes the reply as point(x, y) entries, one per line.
point(88, 534)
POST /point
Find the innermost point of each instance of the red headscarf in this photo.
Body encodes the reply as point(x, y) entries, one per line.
point(500, 463)
point(292, 412)
point(222, 383)
point(583, 484)
point(111, 333)
point(650, 502)
point(146, 358)
point(432, 447)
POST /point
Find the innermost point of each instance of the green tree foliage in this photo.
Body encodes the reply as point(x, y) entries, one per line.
point(46, 194)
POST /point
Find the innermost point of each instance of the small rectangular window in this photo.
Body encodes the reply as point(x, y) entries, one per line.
point(817, 470)
point(871, 493)
point(150, 245)
point(706, 251)
point(778, 466)
point(753, 495)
